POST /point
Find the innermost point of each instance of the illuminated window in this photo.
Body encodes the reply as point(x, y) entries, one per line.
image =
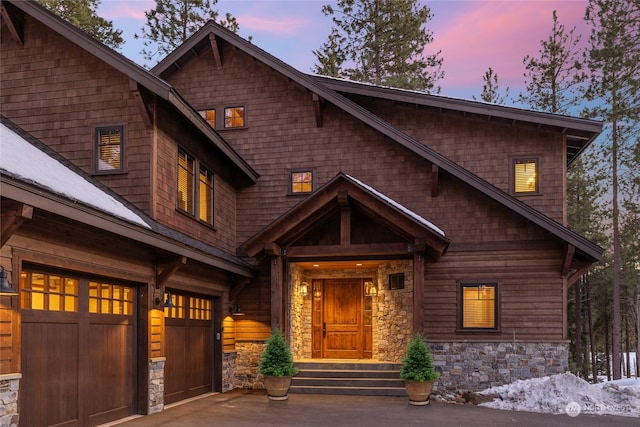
point(107, 298)
point(109, 149)
point(49, 292)
point(302, 182)
point(195, 198)
point(186, 167)
point(178, 311)
point(525, 173)
point(205, 196)
point(478, 305)
point(234, 117)
point(209, 116)
point(199, 308)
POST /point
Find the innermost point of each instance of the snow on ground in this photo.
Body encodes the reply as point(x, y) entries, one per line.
point(568, 394)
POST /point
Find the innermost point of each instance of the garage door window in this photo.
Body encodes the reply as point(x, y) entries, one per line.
point(49, 292)
point(106, 298)
point(178, 309)
point(200, 308)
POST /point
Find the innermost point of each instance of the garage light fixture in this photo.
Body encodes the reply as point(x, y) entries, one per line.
point(5, 286)
point(168, 302)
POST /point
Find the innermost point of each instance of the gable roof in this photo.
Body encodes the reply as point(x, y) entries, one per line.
point(579, 132)
point(211, 33)
point(67, 190)
point(346, 192)
point(136, 73)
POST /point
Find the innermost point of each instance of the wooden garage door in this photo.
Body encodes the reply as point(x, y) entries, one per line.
point(188, 370)
point(78, 350)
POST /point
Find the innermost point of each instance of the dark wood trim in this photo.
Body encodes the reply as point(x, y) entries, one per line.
point(318, 109)
point(215, 49)
point(14, 19)
point(459, 300)
point(345, 218)
point(218, 315)
point(12, 215)
point(418, 292)
point(236, 289)
point(276, 292)
point(144, 348)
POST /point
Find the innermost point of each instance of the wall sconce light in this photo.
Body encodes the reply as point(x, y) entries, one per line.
point(317, 290)
point(370, 289)
point(5, 286)
point(237, 312)
point(168, 302)
point(304, 289)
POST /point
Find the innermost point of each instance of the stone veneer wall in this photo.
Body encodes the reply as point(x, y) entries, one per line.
point(229, 364)
point(156, 385)
point(9, 391)
point(247, 360)
point(475, 366)
point(392, 320)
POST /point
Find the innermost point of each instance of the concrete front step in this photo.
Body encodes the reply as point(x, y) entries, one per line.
point(348, 378)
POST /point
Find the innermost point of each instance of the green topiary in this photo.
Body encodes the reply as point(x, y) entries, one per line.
point(417, 364)
point(276, 359)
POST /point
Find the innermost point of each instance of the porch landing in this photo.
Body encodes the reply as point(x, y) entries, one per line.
point(357, 377)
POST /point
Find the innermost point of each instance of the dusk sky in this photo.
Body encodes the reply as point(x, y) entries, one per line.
point(472, 35)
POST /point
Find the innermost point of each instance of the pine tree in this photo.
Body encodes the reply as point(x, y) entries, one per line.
point(614, 85)
point(491, 88)
point(417, 364)
point(276, 359)
point(82, 14)
point(383, 42)
point(172, 22)
point(553, 79)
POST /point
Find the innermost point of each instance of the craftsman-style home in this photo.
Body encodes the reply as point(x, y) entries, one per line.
point(157, 225)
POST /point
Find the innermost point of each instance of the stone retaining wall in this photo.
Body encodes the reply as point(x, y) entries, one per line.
point(156, 385)
point(247, 360)
point(472, 366)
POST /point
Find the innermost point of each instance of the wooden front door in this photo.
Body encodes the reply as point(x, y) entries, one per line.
point(342, 319)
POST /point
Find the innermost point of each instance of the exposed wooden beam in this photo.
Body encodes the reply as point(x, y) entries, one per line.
point(14, 18)
point(169, 269)
point(569, 251)
point(359, 250)
point(12, 215)
point(145, 111)
point(581, 268)
point(435, 183)
point(215, 48)
point(317, 108)
point(237, 288)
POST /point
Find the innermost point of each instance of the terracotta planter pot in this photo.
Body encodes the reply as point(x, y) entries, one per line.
point(277, 387)
point(418, 391)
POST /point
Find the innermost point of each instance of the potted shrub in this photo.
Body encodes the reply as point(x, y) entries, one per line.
point(276, 365)
point(418, 372)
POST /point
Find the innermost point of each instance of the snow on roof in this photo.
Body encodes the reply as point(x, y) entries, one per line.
point(21, 159)
point(398, 206)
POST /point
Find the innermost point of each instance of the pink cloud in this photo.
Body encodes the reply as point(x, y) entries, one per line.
point(498, 35)
point(115, 10)
point(282, 26)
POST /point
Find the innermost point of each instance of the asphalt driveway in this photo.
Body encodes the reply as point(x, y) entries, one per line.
point(252, 408)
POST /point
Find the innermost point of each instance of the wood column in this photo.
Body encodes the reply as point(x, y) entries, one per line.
point(418, 290)
point(276, 292)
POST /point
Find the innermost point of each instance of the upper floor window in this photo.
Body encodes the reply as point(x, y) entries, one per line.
point(477, 305)
point(195, 198)
point(209, 116)
point(525, 175)
point(302, 182)
point(234, 117)
point(109, 149)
